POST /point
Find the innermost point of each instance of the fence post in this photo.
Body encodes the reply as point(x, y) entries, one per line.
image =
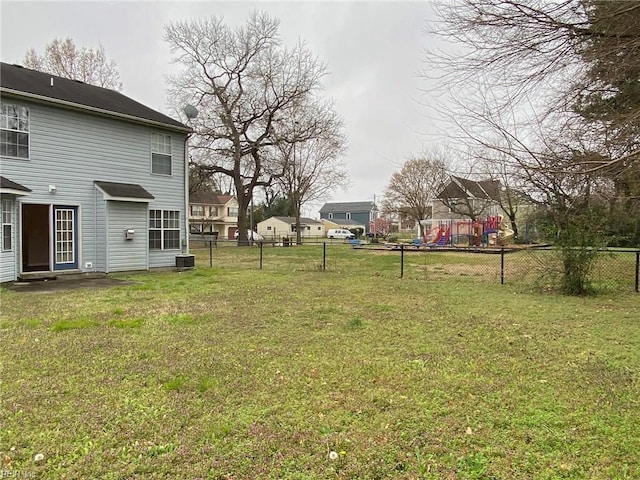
point(638, 271)
point(324, 256)
point(210, 254)
point(502, 266)
point(261, 244)
point(401, 260)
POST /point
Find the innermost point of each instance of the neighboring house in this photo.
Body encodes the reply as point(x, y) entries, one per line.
point(337, 223)
point(359, 213)
point(461, 195)
point(211, 212)
point(92, 181)
point(277, 227)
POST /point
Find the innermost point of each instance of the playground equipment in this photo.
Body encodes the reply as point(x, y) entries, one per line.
point(490, 231)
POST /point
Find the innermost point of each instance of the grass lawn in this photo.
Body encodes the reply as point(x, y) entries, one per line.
point(232, 372)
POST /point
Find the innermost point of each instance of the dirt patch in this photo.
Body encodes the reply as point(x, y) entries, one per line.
point(53, 285)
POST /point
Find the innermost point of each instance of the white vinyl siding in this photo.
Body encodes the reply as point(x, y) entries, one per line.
point(71, 150)
point(127, 254)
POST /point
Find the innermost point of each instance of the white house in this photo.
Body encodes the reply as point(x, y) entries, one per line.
point(275, 228)
point(92, 181)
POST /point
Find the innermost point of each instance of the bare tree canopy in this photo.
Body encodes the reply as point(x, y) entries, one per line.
point(64, 59)
point(548, 95)
point(576, 60)
point(312, 164)
point(412, 190)
point(245, 84)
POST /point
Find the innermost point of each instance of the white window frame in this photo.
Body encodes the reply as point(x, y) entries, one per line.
point(164, 222)
point(65, 219)
point(17, 123)
point(330, 216)
point(7, 223)
point(161, 151)
point(197, 210)
point(347, 215)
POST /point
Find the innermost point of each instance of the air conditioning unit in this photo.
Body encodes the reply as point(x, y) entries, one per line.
point(185, 262)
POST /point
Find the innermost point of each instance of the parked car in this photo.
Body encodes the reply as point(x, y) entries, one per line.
point(340, 233)
point(251, 235)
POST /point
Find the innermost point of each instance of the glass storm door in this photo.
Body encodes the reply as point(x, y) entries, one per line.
point(65, 238)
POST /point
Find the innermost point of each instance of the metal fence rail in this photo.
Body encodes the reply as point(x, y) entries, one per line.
point(613, 270)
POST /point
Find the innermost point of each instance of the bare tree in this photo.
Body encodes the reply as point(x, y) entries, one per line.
point(64, 59)
point(412, 190)
point(574, 57)
point(245, 84)
point(312, 167)
point(572, 66)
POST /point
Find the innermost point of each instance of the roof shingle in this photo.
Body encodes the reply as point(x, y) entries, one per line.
point(18, 80)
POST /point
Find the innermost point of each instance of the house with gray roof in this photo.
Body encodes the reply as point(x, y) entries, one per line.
point(357, 213)
point(92, 181)
point(463, 198)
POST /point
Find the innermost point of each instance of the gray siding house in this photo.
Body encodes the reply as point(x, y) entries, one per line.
point(92, 181)
point(362, 213)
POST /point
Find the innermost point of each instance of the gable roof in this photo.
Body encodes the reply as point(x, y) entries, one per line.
point(460, 187)
point(207, 197)
point(341, 207)
point(128, 192)
point(44, 87)
point(10, 187)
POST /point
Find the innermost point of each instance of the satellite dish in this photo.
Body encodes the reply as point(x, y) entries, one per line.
point(190, 111)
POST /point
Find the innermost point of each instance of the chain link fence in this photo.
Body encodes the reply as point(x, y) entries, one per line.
point(541, 267)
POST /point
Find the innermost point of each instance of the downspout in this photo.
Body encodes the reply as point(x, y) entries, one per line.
point(186, 191)
point(95, 228)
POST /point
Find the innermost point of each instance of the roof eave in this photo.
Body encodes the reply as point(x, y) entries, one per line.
point(98, 111)
point(13, 191)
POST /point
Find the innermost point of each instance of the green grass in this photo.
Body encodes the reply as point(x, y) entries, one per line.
point(233, 372)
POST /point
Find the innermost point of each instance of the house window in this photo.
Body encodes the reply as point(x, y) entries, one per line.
point(14, 131)
point(164, 229)
point(232, 212)
point(160, 154)
point(269, 227)
point(348, 216)
point(197, 210)
point(7, 225)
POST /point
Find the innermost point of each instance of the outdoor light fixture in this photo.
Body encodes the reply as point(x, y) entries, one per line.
point(53, 189)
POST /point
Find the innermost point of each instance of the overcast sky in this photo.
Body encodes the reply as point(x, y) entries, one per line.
point(373, 51)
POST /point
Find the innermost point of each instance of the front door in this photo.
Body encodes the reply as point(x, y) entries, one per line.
point(65, 234)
